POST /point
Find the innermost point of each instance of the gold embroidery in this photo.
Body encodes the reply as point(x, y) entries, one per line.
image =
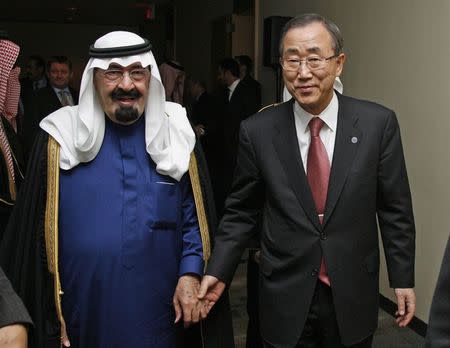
point(6, 202)
point(51, 221)
point(268, 106)
point(201, 214)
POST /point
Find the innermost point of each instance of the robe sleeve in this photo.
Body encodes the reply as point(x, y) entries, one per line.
point(192, 254)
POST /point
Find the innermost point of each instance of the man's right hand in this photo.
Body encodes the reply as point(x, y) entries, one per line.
point(211, 289)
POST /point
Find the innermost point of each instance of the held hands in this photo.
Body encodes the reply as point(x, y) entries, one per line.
point(406, 302)
point(193, 301)
point(210, 291)
point(186, 303)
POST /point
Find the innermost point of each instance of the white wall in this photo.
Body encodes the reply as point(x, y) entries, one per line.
point(397, 55)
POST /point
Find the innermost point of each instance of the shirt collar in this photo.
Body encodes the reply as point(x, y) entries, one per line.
point(58, 90)
point(233, 86)
point(329, 115)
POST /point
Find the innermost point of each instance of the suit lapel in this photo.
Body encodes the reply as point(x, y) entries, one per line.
point(286, 144)
point(348, 140)
point(54, 97)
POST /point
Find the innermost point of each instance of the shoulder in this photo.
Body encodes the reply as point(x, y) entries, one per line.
point(363, 106)
point(271, 113)
point(263, 123)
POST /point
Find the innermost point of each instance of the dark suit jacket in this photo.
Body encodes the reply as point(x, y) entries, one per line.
point(12, 310)
point(43, 102)
point(438, 333)
point(255, 87)
point(368, 180)
point(241, 105)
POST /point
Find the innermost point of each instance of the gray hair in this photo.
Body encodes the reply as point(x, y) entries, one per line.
point(303, 20)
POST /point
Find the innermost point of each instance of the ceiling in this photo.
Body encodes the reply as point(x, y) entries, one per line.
point(119, 12)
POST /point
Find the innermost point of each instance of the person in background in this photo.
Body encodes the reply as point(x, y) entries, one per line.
point(173, 77)
point(11, 158)
point(245, 74)
point(46, 100)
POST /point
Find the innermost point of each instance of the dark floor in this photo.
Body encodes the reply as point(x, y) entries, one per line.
point(388, 334)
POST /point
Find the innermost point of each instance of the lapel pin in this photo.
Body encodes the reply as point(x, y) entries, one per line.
point(354, 140)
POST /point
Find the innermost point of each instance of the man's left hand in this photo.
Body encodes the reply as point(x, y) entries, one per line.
point(406, 303)
point(185, 300)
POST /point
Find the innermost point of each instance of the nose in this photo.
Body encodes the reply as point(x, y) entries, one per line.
point(126, 82)
point(303, 70)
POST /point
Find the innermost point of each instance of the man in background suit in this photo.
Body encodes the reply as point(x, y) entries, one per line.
point(239, 103)
point(320, 169)
point(245, 74)
point(438, 333)
point(205, 117)
point(46, 100)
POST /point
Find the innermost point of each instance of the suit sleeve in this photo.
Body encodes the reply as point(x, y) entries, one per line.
point(12, 310)
point(438, 333)
point(394, 208)
point(242, 209)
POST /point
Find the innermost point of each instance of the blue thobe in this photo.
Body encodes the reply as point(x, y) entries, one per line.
point(126, 235)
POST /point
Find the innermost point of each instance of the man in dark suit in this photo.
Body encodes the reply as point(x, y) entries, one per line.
point(205, 116)
point(55, 95)
point(245, 74)
point(34, 79)
point(438, 333)
point(320, 169)
point(239, 103)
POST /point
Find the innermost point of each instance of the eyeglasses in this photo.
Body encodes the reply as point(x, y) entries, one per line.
point(116, 75)
point(312, 62)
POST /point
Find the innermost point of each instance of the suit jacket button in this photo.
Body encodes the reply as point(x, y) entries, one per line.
point(323, 236)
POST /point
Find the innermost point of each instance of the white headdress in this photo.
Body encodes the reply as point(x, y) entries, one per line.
point(79, 130)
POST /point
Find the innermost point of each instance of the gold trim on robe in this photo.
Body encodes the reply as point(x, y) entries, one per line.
point(200, 207)
point(268, 106)
point(51, 222)
point(51, 217)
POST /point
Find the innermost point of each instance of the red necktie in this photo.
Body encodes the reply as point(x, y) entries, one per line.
point(318, 173)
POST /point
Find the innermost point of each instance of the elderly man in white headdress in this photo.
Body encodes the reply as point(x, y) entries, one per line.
point(120, 211)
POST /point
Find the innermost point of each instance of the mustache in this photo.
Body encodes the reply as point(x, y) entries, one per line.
point(119, 93)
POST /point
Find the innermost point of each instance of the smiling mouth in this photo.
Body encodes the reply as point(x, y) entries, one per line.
point(306, 89)
point(125, 99)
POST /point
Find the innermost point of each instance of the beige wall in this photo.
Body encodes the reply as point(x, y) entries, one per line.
point(398, 53)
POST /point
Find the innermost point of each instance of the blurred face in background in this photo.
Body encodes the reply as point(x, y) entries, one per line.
point(59, 75)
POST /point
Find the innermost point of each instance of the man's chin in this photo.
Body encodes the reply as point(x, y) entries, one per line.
point(126, 115)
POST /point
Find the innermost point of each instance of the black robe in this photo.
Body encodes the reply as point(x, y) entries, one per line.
point(23, 256)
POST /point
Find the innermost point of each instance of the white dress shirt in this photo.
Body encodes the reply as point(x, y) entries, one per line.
point(65, 90)
point(327, 133)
